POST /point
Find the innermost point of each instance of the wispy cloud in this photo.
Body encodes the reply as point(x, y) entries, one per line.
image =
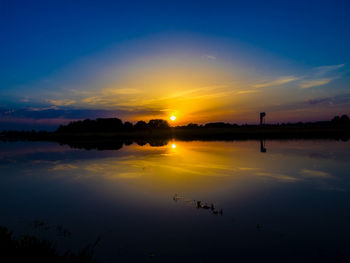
point(93, 100)
point(65, 102)
point(124, 91)
point(342, 99)
point(276, 82)
point(248, 91)
point(316, 77)
point(313, 107)
point(320, 76)
point(315, 173)
point(63, 167)
point(314, 83)
point(277, 176)
point(209, 57)
point(248, 168)
point(327, 69)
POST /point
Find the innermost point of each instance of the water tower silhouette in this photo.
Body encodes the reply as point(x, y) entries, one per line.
point(262, 120)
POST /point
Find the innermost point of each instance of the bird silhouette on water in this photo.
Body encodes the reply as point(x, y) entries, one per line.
point(201, 205)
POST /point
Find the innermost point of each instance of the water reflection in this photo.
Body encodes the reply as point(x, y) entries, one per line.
point(112, 144)
point(198, 204)
point(296, 194)
point(262, 146)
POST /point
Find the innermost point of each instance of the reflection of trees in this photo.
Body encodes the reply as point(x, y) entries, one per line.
point(158, 142)
point(262, 146)
point(112, 144)
point(342, 120)
point(141, 142)
point(94, 145)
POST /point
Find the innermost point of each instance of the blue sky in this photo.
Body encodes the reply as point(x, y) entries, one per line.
point(58, 55)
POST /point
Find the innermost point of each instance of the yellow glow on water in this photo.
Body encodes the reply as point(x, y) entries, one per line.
point(194, 169)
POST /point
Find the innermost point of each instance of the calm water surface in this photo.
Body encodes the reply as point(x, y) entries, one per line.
point(288, 204)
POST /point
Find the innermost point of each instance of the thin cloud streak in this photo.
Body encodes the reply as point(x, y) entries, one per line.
point(65, 102)
point(276, 82)
point(314, 83)
point(248, 91)
point(315, 173)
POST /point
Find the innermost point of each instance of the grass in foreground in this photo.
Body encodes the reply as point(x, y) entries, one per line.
point(31, 249)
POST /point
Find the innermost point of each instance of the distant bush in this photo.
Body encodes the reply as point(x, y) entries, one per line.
point(218, 125)
point(128, 126)
point(98, 125)
point(343, 120)
point(192, 125)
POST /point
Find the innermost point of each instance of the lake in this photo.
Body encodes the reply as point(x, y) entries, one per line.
point(184, 201)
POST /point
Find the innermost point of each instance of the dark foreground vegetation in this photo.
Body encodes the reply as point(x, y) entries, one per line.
point(29, 248)
point(112, 133)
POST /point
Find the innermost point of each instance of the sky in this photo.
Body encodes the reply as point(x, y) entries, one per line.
point(201, 61)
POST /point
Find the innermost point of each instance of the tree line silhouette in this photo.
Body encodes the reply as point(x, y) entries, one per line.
point(111, 125)
point(342, 120)
point(116, 125)
point(90, 131)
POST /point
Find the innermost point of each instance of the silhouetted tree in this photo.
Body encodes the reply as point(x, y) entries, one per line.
point(98, 125)
point(343, 120)
point(158, 124)
point(128, 126)
point(192, 125)
point(141, 142)
point(140, 125)
point(110, 124)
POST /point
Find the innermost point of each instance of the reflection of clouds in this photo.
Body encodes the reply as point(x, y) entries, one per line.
point(262, 173)
point(197, 166)
point(96, 167)
point(315, 173)
point(44, 162)
point(24, 150)
point(278, 176)
point(321, 155)
point(64, 167)
point(133, 166)
point(170, 167)
point(327, 187)
point(129, 175)
point(201, 160)
point(248, 168)
point(4, 161)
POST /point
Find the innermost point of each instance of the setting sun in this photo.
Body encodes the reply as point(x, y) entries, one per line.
point(173, 118)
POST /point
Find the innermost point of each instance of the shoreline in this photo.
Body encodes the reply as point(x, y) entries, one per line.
point(180, 133)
